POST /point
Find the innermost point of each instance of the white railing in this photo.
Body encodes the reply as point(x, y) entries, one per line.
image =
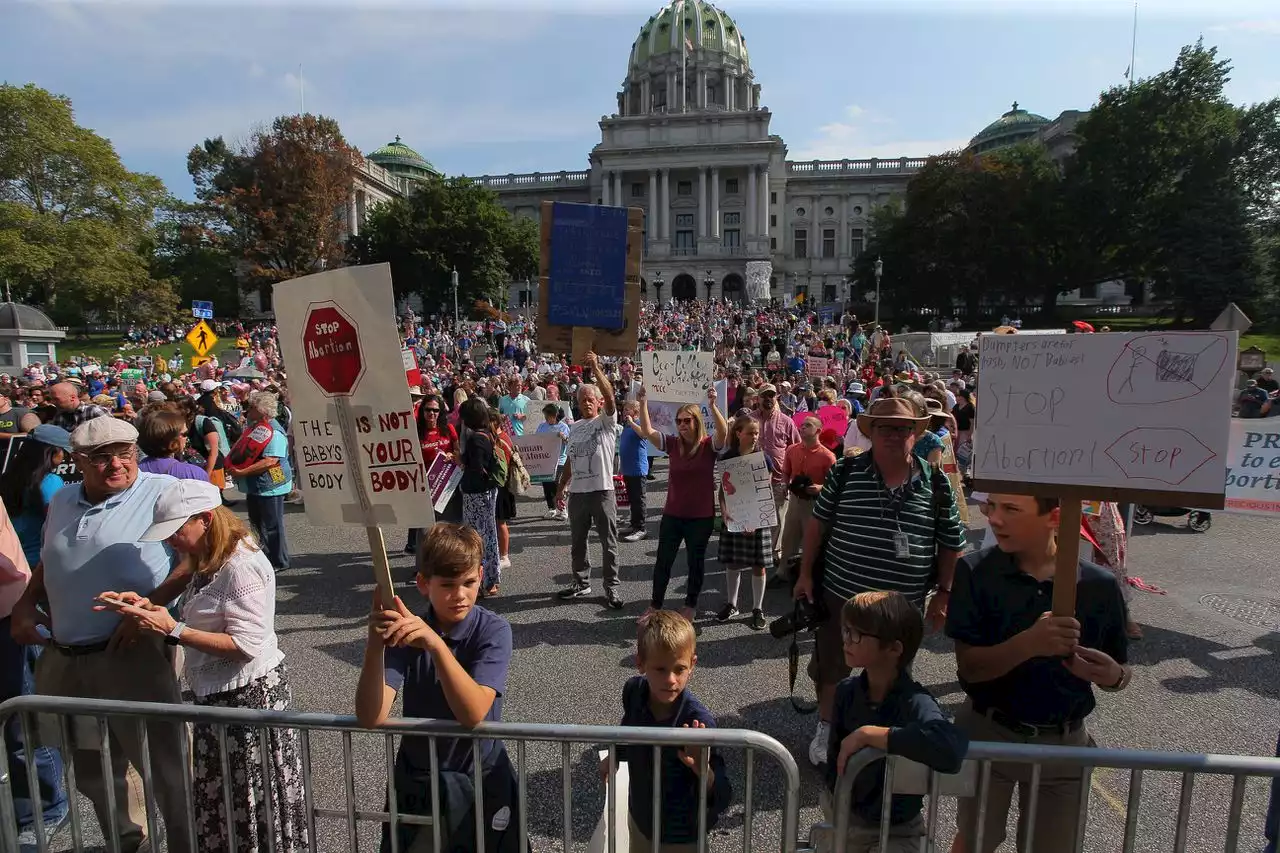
point(533, 179)
point(872, 165)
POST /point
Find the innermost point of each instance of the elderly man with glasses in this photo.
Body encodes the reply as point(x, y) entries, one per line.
point(91, 546)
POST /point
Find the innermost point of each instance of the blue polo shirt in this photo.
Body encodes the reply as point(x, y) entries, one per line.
point(992, 600)
point(481, 643)
point(514, 406)
point(91, 548)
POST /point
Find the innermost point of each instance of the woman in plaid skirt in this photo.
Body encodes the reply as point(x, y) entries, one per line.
point(751, 550)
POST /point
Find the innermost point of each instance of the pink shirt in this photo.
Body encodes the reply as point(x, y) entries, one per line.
point(776, 435)
point(14, 571)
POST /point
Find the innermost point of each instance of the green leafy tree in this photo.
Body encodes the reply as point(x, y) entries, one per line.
point(73, 220)
point(187, 251)
point(276, 198)
point(447, 224)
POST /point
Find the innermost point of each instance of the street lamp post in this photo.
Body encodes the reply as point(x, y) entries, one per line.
point(879, 272)
point(453, 279)
point(657, 286)
point(708, 282)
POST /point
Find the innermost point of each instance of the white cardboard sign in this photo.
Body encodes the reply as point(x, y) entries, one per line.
point(678, 377)
point(540, 454)
point(748, 495)
point(1141, 411)
point(364, 469)
point(1253, 467)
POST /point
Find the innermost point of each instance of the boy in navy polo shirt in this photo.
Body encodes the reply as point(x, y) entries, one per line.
point(884, 708)
point(451, 663)
point(658, 697)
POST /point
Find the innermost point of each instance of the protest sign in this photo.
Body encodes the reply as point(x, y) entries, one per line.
point(1253, 467)
point(443, 476)
point(662, 415)
point(677, 377)
point(832, 417)
point(67, 470)
point(541, 454)
point(359, 459)
point(952, 470)
point(412, 374)
point(589, 279)
point(815, 366)
point(534, 418)
point(748, 496)
point(1141, 417)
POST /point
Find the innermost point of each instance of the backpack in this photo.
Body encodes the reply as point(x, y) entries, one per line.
point(224, 443)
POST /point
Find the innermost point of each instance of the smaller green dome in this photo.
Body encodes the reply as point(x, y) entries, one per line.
point(1014, 126)
point(398, 158)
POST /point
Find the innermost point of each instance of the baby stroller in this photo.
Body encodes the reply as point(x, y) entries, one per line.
point(1197, 519)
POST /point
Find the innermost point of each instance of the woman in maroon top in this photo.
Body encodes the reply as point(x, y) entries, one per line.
point(689, 512)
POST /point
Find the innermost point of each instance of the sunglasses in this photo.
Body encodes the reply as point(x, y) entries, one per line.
point(432, 411)
point(684, 420)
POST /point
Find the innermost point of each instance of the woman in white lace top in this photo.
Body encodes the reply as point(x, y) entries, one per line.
point(232, 660)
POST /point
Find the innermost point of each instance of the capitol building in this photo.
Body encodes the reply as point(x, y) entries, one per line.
point(689, 142)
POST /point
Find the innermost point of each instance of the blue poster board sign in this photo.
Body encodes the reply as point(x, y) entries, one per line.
point(201, 310)
point(827, 315)
point(588, 268)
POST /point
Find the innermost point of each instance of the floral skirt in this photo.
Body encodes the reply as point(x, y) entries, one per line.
point(270, 692)
point(479, 512)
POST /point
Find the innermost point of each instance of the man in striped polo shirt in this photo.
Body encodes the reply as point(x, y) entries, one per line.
point(887, 531)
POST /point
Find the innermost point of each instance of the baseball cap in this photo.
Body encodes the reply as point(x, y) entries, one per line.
point(156, 397)
point(208, 385)
point(767, 388)
point(100, 432)
point(54, 436)
point(178, 503)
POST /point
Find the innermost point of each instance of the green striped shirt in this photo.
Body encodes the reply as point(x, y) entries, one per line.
point(860, 553)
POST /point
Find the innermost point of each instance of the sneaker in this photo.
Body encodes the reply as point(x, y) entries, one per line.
point(818, 746)
point(411, 549)
point(758, 622)
point(562, 514)
point(612, 599)
point(575, 591)
point(633, 536)
point(504, 562)
point(724, 614)
point(550, 515)
point(27, 837)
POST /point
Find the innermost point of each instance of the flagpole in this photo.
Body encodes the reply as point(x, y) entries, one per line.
point(1133, 46)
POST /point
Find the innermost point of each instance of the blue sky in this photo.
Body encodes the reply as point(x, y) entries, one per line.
point(485, 87)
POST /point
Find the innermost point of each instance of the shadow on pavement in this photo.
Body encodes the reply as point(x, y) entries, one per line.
point(1253, 672)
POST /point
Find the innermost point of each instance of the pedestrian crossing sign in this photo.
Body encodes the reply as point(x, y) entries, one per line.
point(201, 360)
point(201, 338)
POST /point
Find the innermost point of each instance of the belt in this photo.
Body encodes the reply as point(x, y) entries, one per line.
point(77, 651)
point(1029, 730)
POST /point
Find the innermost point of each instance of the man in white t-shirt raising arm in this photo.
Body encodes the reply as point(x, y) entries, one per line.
point(588, 478)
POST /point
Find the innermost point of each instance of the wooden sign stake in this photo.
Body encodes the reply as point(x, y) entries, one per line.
point(1067, 569)
point(377, 547)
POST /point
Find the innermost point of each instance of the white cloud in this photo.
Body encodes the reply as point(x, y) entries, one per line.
point(861, 133)
point(1263, 27)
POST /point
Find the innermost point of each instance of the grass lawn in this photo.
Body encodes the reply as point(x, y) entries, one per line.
point(1266, 341)
point(103, 347)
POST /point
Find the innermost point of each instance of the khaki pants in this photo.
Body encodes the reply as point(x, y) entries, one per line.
point(639, 842)
point(798, 512)
point(140, 673)
point(864, 837)
point(1057, 804)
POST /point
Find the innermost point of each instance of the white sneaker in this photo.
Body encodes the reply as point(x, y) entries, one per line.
point(818, 746)
point(551, 514)
point(562, 514)
point(505, 563)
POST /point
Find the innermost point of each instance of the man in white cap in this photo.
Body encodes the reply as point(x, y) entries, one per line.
point(91, 546)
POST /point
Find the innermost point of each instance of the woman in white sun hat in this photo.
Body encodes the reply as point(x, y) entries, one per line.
point(233, 660)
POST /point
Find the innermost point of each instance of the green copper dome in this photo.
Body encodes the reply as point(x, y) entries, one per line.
point(705, 26)
point(400, 159)
point(1011, 128)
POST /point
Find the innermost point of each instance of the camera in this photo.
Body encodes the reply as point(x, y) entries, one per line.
point(805, 616)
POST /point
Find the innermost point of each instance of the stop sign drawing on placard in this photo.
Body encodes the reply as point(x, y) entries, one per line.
point(331, 345)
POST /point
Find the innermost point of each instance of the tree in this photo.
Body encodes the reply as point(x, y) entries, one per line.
point(1176, 182)
point(187, 252)
point(73, 219)
point(277, 197)
point(447, 224)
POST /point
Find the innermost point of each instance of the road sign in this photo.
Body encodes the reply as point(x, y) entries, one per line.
point(200, 360)
point(1232, 319)
point(202, 338)
point(201, 310)
point(331, 348)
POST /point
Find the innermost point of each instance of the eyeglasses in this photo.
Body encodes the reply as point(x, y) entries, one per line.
point(853, 636)
point(684, 420)
point(894, 429)
point(102, 458)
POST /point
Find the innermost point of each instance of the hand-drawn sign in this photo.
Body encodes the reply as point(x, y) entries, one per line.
point(588, 266)
point(1164, 367)
point(677, 377)
point(1166, 454)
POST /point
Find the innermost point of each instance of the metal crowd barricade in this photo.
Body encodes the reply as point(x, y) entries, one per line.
point(908, 777)
point(63, 713)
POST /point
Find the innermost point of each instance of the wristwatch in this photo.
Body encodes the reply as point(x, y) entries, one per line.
point(174, 637)
point(1126, 675)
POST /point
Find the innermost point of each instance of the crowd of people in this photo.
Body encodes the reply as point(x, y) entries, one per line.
point(121, 479)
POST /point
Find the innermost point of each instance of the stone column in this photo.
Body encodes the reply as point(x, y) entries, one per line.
point(715, 202)
point(353, 216)
point(619, 199)
point(646, 103)
point(729, 82)
point(702, 202)
point(605, 181)
point(652, 225)
point(753, 202)
point(764, 201)
point(666, 204)
point(843, 243)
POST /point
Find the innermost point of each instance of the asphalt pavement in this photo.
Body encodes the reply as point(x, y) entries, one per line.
point(1206, 678)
